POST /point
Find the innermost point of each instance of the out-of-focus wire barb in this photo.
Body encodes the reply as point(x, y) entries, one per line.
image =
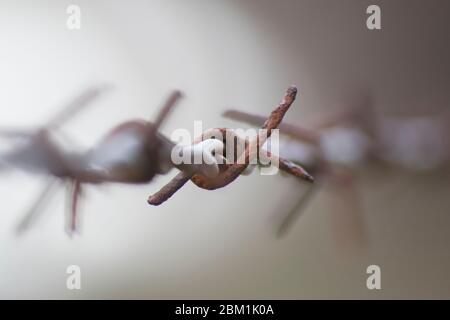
point(337, 144)
point(133, 152)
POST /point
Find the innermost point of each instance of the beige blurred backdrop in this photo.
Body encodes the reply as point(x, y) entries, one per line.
point(223, 54)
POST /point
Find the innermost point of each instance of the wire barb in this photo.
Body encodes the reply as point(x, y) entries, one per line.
point(230, 172)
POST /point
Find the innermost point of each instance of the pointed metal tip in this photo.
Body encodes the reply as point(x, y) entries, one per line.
point(292, 90)
point(152, 201)
point(309, 177)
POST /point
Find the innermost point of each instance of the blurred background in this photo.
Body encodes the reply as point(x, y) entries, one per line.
point(225, 54)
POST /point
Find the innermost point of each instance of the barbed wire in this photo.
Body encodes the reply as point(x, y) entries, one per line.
point(230, 172)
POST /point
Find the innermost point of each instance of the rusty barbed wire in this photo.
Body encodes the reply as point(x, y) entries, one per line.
point(230, 172)
point(145, 152)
